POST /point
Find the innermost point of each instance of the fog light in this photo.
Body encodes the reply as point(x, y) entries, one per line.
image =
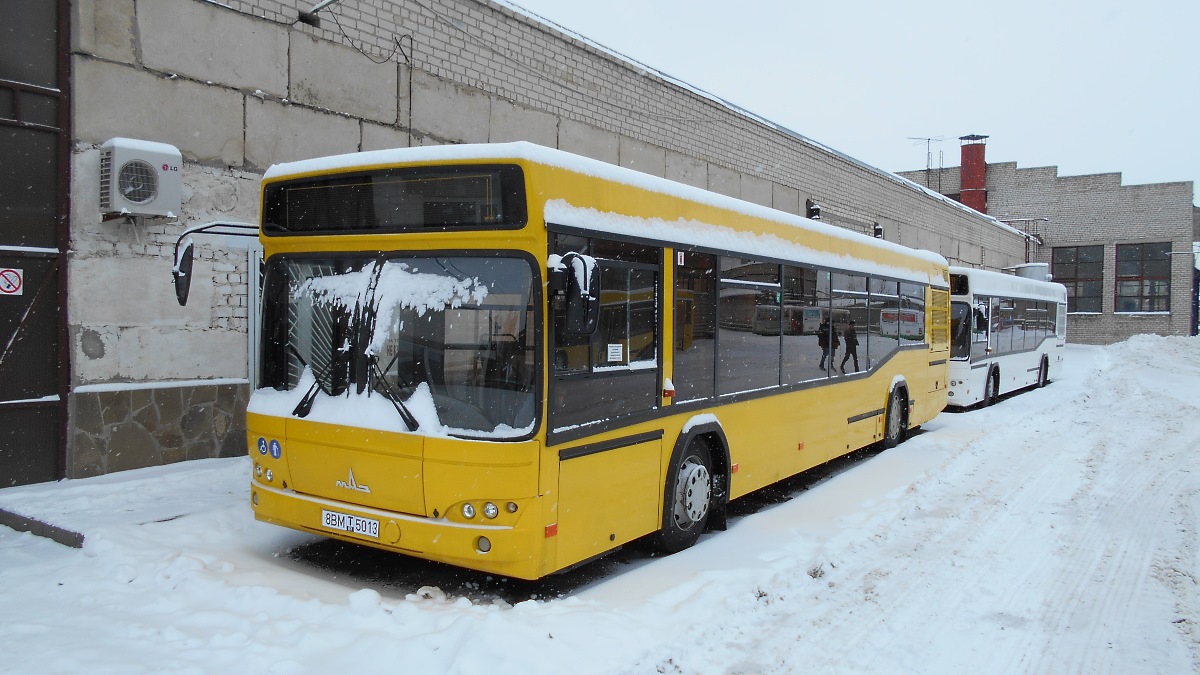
point(512, 507)
point(490, 510)
point(483, 544)
point(468, 511)
point(254, 498)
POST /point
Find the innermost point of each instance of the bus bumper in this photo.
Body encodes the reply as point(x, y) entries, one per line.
point(514, 551)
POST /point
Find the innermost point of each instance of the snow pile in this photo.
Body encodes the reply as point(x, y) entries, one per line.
point(1054, 532)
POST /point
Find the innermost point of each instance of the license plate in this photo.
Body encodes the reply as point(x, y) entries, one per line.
point(348, 523)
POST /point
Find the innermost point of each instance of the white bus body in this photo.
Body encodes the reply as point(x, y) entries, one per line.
point(1007, 333)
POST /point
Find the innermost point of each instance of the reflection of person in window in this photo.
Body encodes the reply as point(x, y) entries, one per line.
point(981, 322)
point(851, 337)
point(825, 335)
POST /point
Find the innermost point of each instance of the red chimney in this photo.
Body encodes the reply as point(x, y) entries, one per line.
point(974, 172)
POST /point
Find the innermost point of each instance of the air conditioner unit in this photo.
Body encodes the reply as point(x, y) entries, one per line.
point(140, 178)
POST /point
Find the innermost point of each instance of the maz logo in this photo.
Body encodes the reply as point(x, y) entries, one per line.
point(352, 484)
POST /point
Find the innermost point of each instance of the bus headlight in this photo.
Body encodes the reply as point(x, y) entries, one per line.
point(468, 511)
point(490, 510)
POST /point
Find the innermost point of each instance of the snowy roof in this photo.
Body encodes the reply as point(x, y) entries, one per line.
point(987, 282)
point(688, 233)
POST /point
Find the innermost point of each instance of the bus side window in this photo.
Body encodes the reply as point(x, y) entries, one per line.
point(613, 371)
point(695, 326)
point(981, 321)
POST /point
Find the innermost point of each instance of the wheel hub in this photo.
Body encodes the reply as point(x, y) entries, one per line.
point(692, 494)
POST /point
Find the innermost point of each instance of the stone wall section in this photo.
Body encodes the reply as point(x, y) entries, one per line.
point(133, 428)
point(239, 85)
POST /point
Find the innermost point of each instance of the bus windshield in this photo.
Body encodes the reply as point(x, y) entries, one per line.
point(960, 330)
point(449, 342)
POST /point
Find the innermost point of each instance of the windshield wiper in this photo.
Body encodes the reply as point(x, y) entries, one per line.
point(393, 394)
point(305, 405)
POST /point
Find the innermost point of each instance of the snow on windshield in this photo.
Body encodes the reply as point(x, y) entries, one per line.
point(368, 411)
point(398, 288)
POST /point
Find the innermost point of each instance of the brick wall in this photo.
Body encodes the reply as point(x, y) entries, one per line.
point(1095, 210)
point(239, 85)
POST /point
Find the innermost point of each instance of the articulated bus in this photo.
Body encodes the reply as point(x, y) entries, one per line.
point(1008, 332)
point(514, 359)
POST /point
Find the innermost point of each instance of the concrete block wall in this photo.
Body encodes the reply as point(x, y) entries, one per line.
point(239, 85)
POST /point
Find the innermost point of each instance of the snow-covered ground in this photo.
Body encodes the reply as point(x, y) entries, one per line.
point(1053, 533)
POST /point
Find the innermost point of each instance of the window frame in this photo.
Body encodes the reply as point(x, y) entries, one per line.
point(1074, 283)
point(639, 381)
point(1147, 298)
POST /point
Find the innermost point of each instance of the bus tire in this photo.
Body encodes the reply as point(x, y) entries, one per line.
point(896, 421)
point(688, 497)
point(1043, 373)
point(991, 390)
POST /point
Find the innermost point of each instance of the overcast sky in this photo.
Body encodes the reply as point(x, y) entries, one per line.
point(1091, 87)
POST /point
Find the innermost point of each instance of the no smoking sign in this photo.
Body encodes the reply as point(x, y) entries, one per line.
point(12, 281)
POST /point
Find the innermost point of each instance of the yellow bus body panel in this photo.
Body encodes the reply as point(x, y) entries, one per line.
point(607, 499)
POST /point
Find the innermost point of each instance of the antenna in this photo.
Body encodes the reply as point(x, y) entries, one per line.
point(929, 141)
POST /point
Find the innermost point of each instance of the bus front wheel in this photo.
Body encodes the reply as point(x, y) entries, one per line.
point(688, 498)
point(991, 390)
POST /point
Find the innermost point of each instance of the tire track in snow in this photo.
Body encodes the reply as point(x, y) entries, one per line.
point(1042, 543)
point(1028, 497)
point(1106, 559)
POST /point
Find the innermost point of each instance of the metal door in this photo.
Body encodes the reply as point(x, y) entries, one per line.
point(34, 201)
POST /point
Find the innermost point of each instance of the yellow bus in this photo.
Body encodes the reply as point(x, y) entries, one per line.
point(514, 359)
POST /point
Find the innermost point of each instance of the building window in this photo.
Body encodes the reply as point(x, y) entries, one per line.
point(1081, 270)
point(1144, 277)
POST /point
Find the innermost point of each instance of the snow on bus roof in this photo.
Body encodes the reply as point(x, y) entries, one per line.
point(691, 233)
point(708, 236)
point(988, 282)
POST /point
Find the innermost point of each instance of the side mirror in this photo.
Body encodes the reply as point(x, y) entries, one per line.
point(583, 294)
point(181, 273)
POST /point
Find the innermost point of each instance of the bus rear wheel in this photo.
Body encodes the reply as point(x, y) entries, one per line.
point(688, 498)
